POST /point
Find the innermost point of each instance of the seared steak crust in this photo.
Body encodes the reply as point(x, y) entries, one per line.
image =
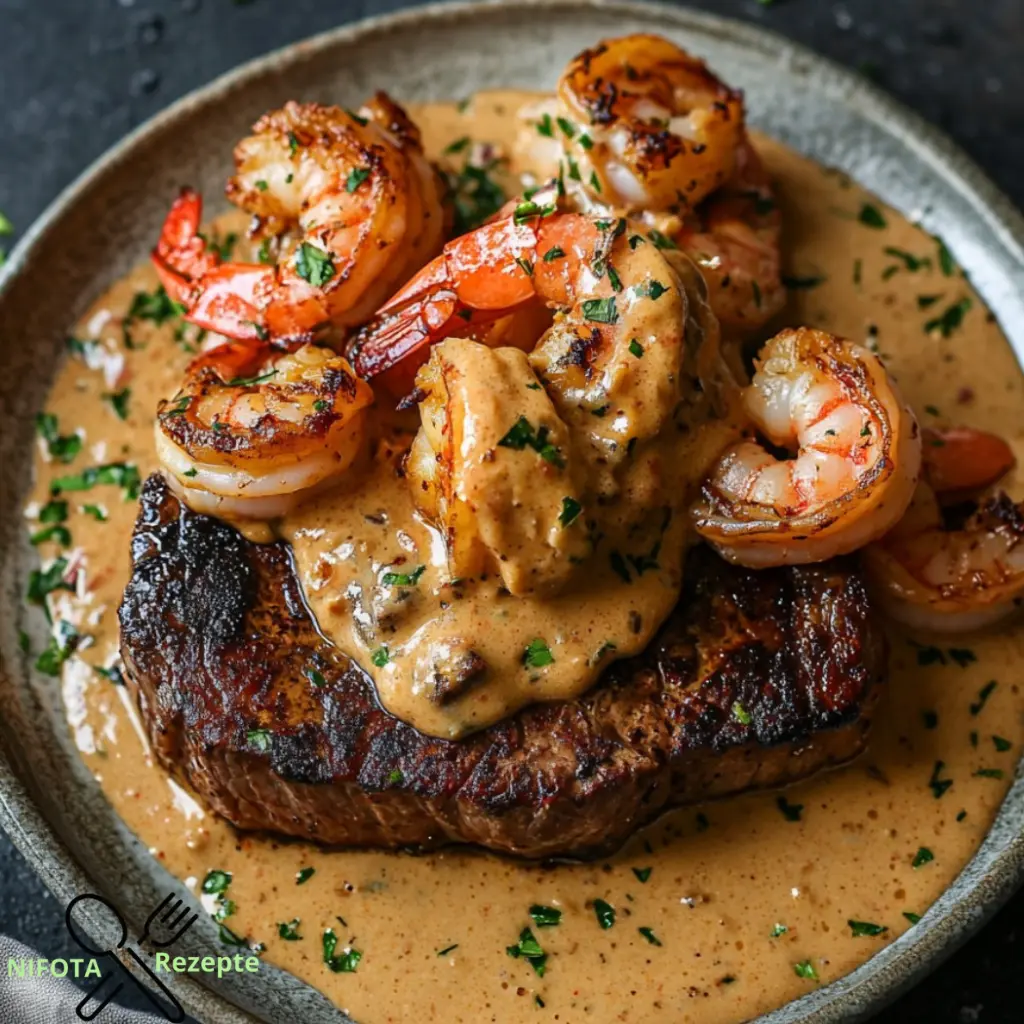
point(757, 679)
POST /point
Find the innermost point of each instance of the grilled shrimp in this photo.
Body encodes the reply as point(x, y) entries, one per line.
point(645, 125)
point(494, 467)
point(602, 276)
point(254, 429)
point(857, 457)
point(362, 198)
point(951, 577)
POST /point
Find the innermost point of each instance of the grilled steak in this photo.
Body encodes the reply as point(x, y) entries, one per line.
point(757, 679)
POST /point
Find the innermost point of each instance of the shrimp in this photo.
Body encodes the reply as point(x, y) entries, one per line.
point(361, 195)
point(858, 456)
point(935, 573)
point(253, 429)
point(493, 465)
point(645, 125)
point(950, 580)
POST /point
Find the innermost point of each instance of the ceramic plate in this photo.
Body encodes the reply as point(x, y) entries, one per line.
point(106, 221)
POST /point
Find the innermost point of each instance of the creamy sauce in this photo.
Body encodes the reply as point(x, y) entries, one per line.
point(749, 908)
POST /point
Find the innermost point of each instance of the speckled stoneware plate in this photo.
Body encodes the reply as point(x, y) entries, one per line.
point(106, 221)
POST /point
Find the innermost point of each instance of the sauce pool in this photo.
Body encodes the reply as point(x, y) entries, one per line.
point(712, 914)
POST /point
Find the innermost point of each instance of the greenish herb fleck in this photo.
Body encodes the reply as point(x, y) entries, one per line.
point(529, 949)
point(341, 963)
point(922, 857)
point(871, 216)
point(601, 311)
point(949, 320)
point(642, 874)
point(403, 579)
point(649, 935)
point(304, 875)
point(989, 773)
point(605, 913)
point(260, 739)
point(983, 695)
point(289, 930)
point(216, 881)
point(545, 917)
point(119, 402)
point(314, 265)
point(636, 348)
point(381, 656)
point(537, 654)
point(778, 930)
point(861, 929)
point(571, 509)
point(741, 714)
point(791, 812)
point(805, 969)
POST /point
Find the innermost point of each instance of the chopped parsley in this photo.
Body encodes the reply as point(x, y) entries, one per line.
point(293, 143)
point(314, 676)
point(642, 874)
point(950, 319)
point(395, 777)
point(922, 857)
point(119, 402)
point(248, 382)
point(63, 448)
point(381, 656)
point(805, 969)
point(910, 262)
point(403, 579)
point(156, 306)
point(58, 649)
point(568, 129)
point(529, 949)
point(661, 241)
point(57, 532)
point(457, 145)
point(791, 812)
point(545, 917)
point(545, 127)
point(989, 773)
point(655, 289)
point(571, 509)
point(911, 916)
point(537, 654)
point(554, 253)
point(605, 913)
point(289, 930)
point(260, 739)
point(778, 930)
point(344, 962)
point(741, 714)
point(636, 348)
point(861, 929)
point(228, 937)
point(586, 141)
point(924, 301)
point(1001, 745)
point(649, 935)
point(983, 695)
point(54, 511)
point(112, 674)
point(447, 949)
point(600, 311)
point(946, 263)
point(522, 435)
point(525, 265)
point(314, 265)
point(801, 283)
point(44, 581)
point(356, 177)
point(938, 785)
point(871, 216)
point(118, 474)
point(304, 875)
point(216, 881)
point(263, 254)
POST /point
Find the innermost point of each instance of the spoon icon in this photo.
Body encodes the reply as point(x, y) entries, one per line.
point(104, 990)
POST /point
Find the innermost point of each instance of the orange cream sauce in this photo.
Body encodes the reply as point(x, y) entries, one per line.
point(720, 912)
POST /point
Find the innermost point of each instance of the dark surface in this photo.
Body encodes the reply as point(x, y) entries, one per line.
point(75, 75)
point(217, 640)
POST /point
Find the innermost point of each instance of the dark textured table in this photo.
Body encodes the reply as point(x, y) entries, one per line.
point(75, 75)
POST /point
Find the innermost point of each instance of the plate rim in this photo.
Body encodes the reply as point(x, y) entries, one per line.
point(903, 963)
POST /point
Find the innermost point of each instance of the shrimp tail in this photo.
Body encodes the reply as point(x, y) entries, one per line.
point(181, 257)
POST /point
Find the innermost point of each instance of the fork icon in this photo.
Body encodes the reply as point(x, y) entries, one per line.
point(169, 919)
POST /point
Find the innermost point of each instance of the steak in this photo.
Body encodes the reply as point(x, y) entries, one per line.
point(757, 679)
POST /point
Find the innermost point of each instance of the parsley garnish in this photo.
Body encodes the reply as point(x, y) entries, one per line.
point(871, 216)
point(44, 581)
point(57, 533)
point(791, 812)
point(660, 241)
point(605, 913)
point(866, 928)
point(395, 777)
point(949, 320)
point(571, 509)
point(381, 656)
point(545, 917)
point(304, 875)
point(989, 773)
point(54, 511)
point(530, 950)
point(946, 262)
point(248, 382)
point(457, 145)
point(314, 676)
point(1001, 745)
point(545, 127)
point(805, 969)
point(642, 874)
point(537, 654)
point(119, 402)
point(314, 265)
point(260, 739)
point(586, 141)
point(216, 881)
point(741, 714)
point(522, 435)
point(63, 448)
point(600, 311)
point(554, 253)
point(922, 857)
point(636, 348)
point(344, 963)
point(983, 695)
point(58, 649)
point(525, 265)
point(653, 290)
point(289, 931)
point(156, 306)
point(356, 177)
point(939, 786)
point(447, 949)
point(778, 930)
point(649, 935)
point(403, 579)
point(119, 474)
point(911, 916)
